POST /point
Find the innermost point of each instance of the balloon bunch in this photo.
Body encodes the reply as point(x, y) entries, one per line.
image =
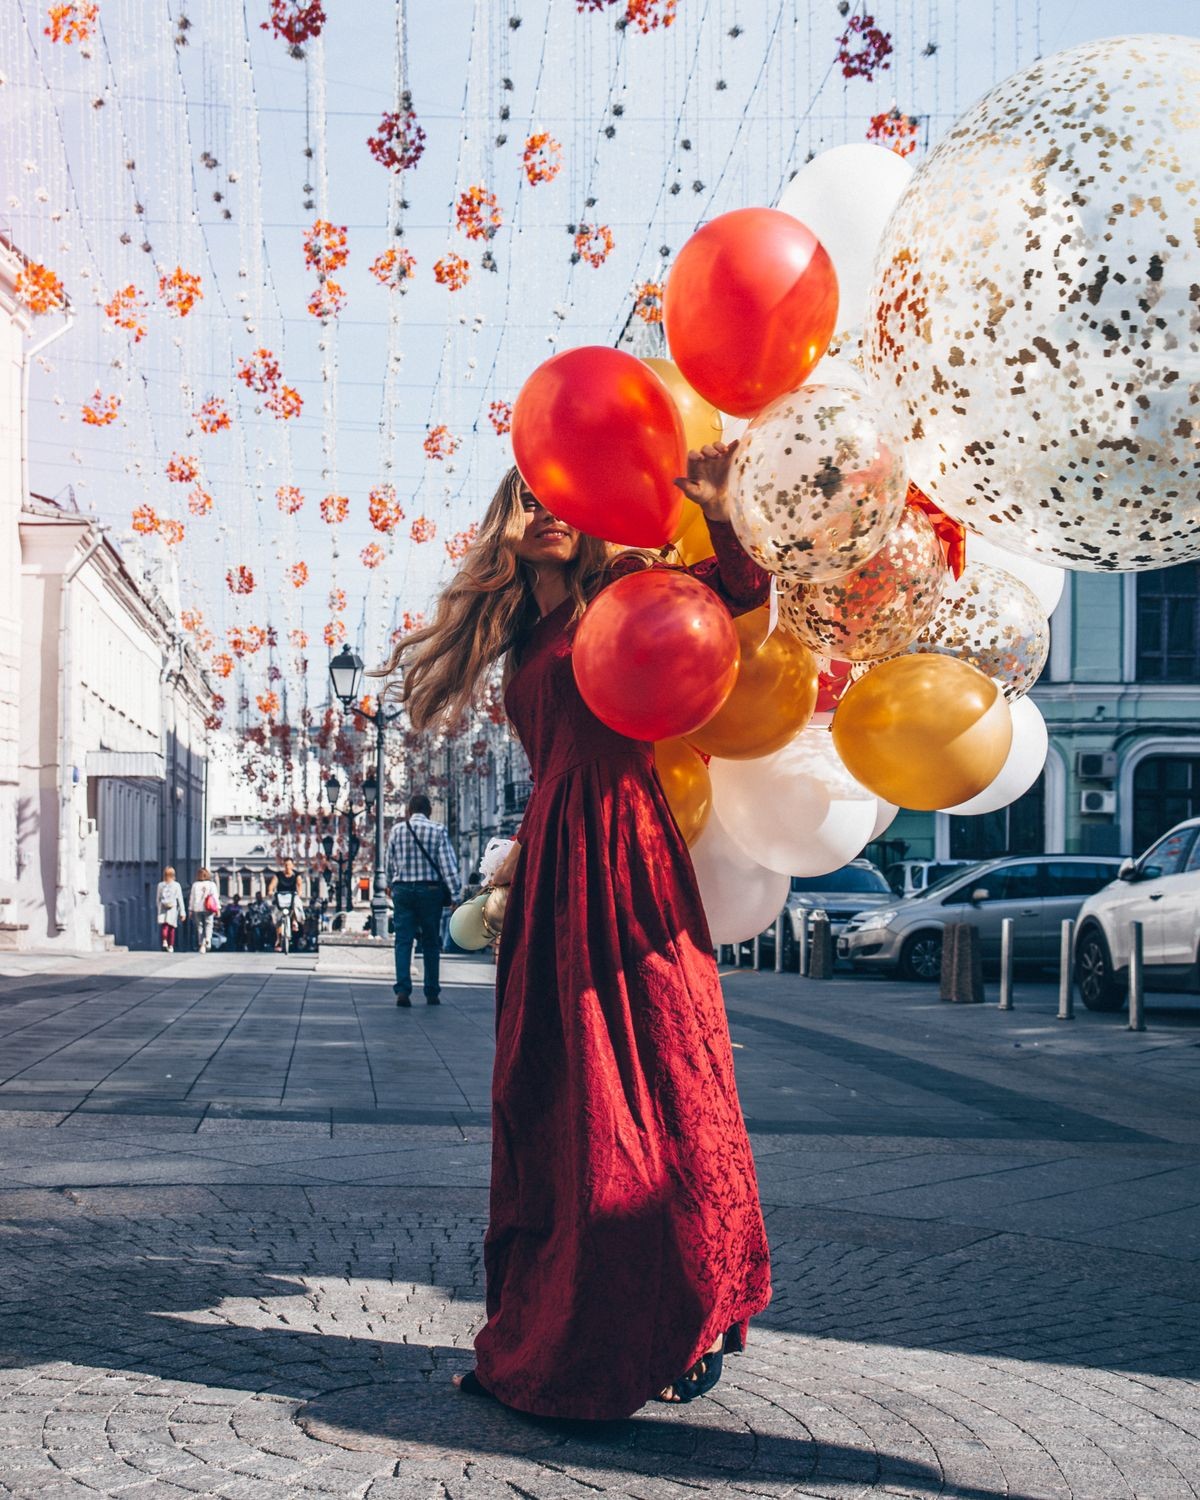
point(883, 329)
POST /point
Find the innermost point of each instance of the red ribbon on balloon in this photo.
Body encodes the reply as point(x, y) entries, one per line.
point(951, 534)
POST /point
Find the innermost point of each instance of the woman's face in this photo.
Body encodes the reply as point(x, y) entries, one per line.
point(546, 539)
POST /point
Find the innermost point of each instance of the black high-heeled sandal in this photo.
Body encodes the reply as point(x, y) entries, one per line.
point(473, 1386)
point(700, 1379)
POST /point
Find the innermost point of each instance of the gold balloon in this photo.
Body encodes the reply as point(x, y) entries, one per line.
point(693, 543)
point(494, 907)
point(773, 697)
point(684, 778)
point(923, 731)
point(701, 421)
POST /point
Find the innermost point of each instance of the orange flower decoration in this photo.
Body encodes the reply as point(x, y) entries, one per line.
point(181, 290)
point(334, 633)
point(289, 499)
point(649, 15)
point(327, 301)
point(593, 243)
point(240, 580)
point(542, 158)
point(183, 469)
point(297, 575)
point(71, 23)
point(255, 638)
point(222, 664)
point(213, 415)
point(285, 403)
point(893, 129)
point(371, 555)
point(383, 509)
point(440, 442)
point(299, 639)
point(477, 213)
point(398, 141)
point(39, 288)
point(408, 623)
point(423, 529)
point(127, 309)
point(259, 372)
point(101, 411)
point(459, 544)
point(452, 271)
point(334, 508)
point(200, 502)
point(268, 703)
point(205, 640)
point(648, 301)
point(337, 601)
point(500, 416)
point(171, 532)
point(325, 247)
point(191, 620)
point(145, 520)
point(394, 268)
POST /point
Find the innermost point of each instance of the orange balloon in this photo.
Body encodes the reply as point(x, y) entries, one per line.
point(685, 780)
point(693, 543)
point(701, 420)
point(923, 731)
point(772, 700)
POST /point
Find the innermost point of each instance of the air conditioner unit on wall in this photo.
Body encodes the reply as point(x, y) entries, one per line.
point(1098, 804)
point(1096, 765)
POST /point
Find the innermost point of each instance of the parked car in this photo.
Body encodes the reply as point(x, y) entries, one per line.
point(1037, 892)
point(856, 887)
point(909, 877)
point(1162, 891)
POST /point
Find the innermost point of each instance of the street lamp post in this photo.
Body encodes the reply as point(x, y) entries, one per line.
point(345, 676)
point(345, 863)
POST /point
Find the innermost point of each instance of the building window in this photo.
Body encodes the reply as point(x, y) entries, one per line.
point(1168, 624)
point(1166, 790)
point(1019, 828)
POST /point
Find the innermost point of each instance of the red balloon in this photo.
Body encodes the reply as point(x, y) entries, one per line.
point(599, 441)
point(656, 654)
point(749, 308)
point(831, 684)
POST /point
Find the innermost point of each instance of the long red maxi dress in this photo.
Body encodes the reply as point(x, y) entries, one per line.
point(625, 1231)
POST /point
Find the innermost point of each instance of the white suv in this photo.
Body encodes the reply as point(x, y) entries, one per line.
point(1162, 891)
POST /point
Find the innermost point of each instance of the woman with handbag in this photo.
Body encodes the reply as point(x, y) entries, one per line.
point(204, 904)
point(168, 902)
point(625, 1250)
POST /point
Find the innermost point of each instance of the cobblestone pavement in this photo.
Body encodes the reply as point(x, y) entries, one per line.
point(227, 1272)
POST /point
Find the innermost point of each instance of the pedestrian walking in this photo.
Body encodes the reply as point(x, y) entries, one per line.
point(204, 904)
point(625, 1252)
point(168, 904)
point(233, 922)
point(422, 873)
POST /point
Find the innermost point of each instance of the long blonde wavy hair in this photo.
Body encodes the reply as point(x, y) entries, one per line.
point(482, 613)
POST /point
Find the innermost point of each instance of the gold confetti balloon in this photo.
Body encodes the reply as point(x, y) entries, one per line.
point(818, 481)
point(878, 608)
point(1034, 333)
point(994, 622)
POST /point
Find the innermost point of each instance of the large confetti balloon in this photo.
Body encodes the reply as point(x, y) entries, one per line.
point(1035, 332)
point(878, 608)
point(993, 621)
point(817, 483)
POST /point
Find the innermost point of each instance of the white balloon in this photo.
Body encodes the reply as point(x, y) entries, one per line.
point(740, 898)
point(846, 196)
point(885, 816)
point(467, 925)
point(1043, 579)
point(1030, 744)
point(798, 811)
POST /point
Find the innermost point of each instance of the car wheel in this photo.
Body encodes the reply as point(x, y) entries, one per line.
point(791, 954)
point(1098, 988)
point(921, 957)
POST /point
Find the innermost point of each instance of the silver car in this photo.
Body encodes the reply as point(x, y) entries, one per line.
point(840, 894)
point(1037, 892)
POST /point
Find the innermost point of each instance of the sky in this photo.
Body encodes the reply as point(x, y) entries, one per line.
point(186, 129)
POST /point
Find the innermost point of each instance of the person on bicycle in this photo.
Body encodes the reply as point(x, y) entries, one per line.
point(288, 912)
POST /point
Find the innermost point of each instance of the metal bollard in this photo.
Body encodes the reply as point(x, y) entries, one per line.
point(1066, 979)
point(779, 921)
point(820, 957)
point(1137, 990)
point(757, 951)
point(802, 955)
point(1006, 963)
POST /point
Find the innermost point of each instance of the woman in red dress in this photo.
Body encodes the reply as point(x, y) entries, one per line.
point(625, 1252)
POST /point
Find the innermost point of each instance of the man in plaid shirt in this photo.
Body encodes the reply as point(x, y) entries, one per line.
point(420, 862)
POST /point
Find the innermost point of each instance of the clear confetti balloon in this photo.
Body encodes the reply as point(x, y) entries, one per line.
point(994, 622)
point(818, 482)
point(1035, 336)
point(877, 609)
